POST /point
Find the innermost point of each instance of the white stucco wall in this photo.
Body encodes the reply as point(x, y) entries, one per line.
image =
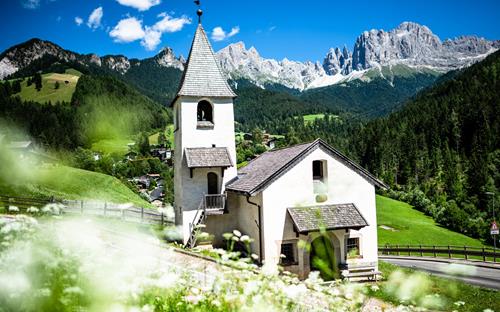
point(295, 188)
point(189, 190)
point(241, 216)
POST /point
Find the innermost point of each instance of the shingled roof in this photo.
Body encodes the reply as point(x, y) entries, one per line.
point(271, 165)
point(328, 217)
point(202, 75)
point(204, 157)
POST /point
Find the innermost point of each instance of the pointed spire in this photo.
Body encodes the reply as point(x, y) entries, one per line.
point(199, 12)
point(202, 75)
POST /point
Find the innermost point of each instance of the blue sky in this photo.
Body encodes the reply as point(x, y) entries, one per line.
point(298, 30)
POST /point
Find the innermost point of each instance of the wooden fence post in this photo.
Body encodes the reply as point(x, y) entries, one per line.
point(81, 207)
point(409, 252)
point(449, 252)
point(397, 247)
point(105, 205)
point(484, 256)
point(421, 251)
point(465, 252)
point(142, 214)
point(434, 248)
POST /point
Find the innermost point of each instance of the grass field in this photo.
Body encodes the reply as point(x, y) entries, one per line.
point(169, 134)
point(112, 146)
point(450, 293)
point(312, 117)
point(409, 226)
point(67, 85)
point(70, 183)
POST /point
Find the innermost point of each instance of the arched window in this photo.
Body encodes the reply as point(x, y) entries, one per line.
point(212, 183)
point(205, 111)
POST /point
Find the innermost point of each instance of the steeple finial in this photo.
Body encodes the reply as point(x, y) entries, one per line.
point(199, 12)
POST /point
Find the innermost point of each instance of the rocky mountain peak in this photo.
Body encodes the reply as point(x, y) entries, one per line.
point(167, 58)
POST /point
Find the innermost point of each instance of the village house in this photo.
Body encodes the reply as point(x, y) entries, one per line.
point(279, 198)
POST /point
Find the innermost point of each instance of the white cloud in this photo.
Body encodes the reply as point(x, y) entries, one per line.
point(30, 4)
point(171, 24)
point(131, 29)
point(151, 39)
point(128, 30)
point(218, 34)
point(78, 20)
point(95, 18)
point(141, 5)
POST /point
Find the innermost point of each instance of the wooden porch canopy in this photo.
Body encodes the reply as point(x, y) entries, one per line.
point(327, 217)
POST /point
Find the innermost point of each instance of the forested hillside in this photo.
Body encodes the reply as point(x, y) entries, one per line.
point(383, 93)
point(445, 143)
point(101, 107)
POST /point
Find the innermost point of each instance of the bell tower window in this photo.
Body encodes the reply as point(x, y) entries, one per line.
point(205, 111)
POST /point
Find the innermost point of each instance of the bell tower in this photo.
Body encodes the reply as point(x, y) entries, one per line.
point(205, 152)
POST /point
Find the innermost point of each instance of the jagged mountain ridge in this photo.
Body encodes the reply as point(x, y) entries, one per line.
point(410, 44)
point(22, 55)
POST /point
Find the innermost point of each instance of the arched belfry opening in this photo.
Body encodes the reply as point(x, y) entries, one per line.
point(205, 111)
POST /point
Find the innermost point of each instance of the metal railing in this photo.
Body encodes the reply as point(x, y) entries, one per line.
point(215, 201)
point(485, 254)
point(90, 208)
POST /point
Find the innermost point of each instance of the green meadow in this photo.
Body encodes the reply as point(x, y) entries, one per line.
point(405, 225)
point(67, 84)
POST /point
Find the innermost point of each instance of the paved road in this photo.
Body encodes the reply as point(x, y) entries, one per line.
point(480, 276)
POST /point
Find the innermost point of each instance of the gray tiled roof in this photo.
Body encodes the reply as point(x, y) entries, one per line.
point(264, 167)
point(269, 166)
point(203, 157)
point(329, 217)
point(202, 75)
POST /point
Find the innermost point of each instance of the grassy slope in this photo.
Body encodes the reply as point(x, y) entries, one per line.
point(48, 91)
point(71, 183)
point(413, 227)
point(169, 134)
point(112, 146)
point(449, 291)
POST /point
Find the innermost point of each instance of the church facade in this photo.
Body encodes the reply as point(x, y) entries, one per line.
point(308, 192)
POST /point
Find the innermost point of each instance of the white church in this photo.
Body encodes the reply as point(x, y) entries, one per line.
point(279, 198)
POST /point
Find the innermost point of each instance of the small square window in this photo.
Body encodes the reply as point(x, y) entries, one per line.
point(288, 251)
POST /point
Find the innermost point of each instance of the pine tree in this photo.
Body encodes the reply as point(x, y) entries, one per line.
point(162, 140)
point(38, 81)
point(16, 86)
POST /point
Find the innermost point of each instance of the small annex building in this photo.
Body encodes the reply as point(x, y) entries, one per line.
point(307, 192)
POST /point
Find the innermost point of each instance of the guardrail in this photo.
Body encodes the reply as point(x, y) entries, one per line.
point(485, 254)
point(91, 208)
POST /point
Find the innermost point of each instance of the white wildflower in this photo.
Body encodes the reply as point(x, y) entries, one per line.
point(235, 238)
point(245, 239)
point(32, 210)
point(255, 257)
point(237, 233)
point(216, 303)
point(459, 303)
point(73, 290)
point(13, 209)
point(193, 299)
